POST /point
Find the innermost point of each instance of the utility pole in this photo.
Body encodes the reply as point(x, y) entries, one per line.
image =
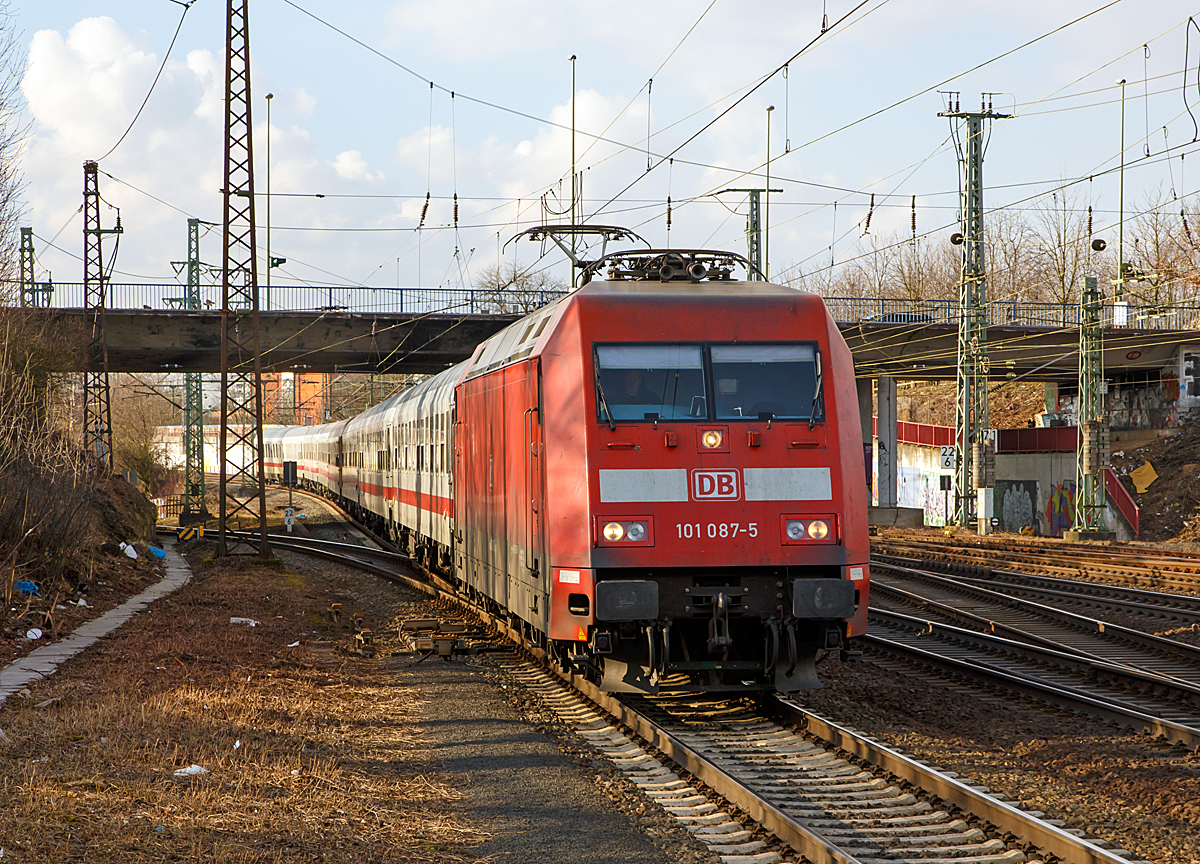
point(754, 233)
point(28, 298)
point(97, 412)
point(241, 446)
point(194, 507)
point(971, 406)
point(1092, 450)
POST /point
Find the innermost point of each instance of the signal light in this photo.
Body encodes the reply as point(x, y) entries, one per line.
point(613, 532)
point(712, 439)
point(818, 530)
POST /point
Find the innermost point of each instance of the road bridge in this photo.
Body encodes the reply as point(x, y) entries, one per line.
point(425, 330)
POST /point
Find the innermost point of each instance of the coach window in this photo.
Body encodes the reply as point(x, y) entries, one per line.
point(752, 380)
point(650, 382)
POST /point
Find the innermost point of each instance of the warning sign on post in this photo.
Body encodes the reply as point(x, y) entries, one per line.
point(947, 458)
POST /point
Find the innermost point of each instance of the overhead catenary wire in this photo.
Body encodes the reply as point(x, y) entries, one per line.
point(186, 6)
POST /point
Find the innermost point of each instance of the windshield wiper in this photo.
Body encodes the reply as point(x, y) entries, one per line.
point(612, 424)
point(812, 413)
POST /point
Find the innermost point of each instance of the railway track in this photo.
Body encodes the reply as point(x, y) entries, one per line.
point(763, 783)
point(974, 606)
point(981, 557)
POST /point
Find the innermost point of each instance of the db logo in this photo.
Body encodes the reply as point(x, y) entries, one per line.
point(715, 485)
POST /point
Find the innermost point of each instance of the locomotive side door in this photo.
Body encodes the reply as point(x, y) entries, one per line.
point(533, 494)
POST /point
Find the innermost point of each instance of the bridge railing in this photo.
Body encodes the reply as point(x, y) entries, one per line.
point(473, 301)
point(916, 312)
point(316, 298)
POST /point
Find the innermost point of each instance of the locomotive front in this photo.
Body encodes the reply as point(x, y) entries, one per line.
point(725, 497)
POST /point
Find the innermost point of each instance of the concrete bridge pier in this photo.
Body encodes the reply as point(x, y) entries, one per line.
point(883, 459)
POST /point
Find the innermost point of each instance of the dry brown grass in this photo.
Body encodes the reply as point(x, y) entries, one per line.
point(330, 765)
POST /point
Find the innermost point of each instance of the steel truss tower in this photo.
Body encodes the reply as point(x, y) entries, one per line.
point(194, 507)
point(971, 405)
point(1093, 444)
point(27, 283)
point(97, 414)
point(243, 493)
point(754, 236)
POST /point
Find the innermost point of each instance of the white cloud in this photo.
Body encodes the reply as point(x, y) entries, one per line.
point(352, 166)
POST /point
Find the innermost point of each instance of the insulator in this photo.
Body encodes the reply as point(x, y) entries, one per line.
point(424, 211)
point(668, 212)
point(455, 209)
point(1186, 229)
point(914, 216)
point(867, 227)
point(1089, 220)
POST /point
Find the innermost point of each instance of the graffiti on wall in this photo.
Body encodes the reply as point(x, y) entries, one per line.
point(1060, 507)
point(933, 500)
point(1015, 505)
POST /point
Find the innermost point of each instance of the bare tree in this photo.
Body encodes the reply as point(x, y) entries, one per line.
point(141, 404)
point(512, 287)
point(1062, 254)
point(927, 268)
point(1160, 253)
point(1009, 250)
point(13, 131)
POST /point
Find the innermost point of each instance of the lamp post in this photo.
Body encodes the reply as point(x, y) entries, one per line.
point(767, 214)
point(270, 96)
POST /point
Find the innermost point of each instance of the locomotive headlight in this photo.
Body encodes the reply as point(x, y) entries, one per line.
point(712, 439)
point(817, 529)
point(795, 530)
point(614, 532)
point(636, 532)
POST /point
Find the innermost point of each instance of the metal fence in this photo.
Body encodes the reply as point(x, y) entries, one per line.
point(472, 301)
point(858, 310)
point(317, 298)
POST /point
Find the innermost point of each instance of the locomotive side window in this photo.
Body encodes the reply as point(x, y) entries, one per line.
point(640, 382)
point(751, 380)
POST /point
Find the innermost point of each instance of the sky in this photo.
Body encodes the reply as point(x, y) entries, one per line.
point(855, 114)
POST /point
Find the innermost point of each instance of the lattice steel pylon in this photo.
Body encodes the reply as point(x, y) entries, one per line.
point(195, 509)
point(971, 404)
point(241, 443)
point(97, 413)
point(1092, 448)
point(27, 283)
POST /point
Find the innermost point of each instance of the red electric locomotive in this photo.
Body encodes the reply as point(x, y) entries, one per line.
point(657, 475)
point(665, 477)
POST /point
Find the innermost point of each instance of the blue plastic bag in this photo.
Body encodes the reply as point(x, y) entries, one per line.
point(157, 553)
point(28, 588)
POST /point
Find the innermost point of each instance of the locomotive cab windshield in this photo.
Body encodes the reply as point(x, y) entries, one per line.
point(743, 381)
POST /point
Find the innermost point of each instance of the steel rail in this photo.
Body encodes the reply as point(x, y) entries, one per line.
point(1022, 636)
point(809, 843)
point(1177, 572)
point(1167, 608)
point(1070, 619)
point(951, 790)
point(1065, 659)
point(1063, 697)
point(1033, 546)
